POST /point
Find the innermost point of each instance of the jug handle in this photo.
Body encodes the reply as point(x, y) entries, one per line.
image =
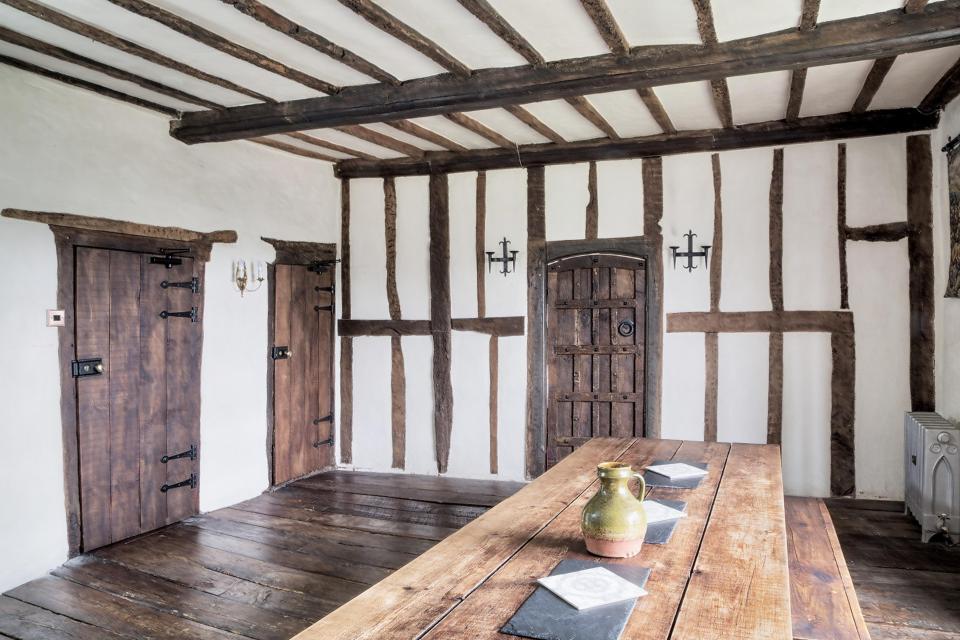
point(641, 494)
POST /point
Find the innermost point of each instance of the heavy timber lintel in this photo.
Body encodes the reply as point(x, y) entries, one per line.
point(866, 37)
point(761, 134)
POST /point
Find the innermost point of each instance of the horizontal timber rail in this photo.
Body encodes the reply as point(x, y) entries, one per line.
point(761, 134)
point(861, 38)
point(504, 326)
point(759, 321)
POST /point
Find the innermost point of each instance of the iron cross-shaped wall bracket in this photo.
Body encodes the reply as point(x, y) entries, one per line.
point(690, 254)
point(508, 258)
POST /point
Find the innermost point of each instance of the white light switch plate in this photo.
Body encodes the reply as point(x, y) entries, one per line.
point(56, 318)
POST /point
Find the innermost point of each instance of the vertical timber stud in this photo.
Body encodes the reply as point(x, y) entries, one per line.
point(842, 222)
point(494, 348)
point(398, 384)
point(775, 375)
point(842, 409)
point(536, 317)
point(711, 339)
point(440, 325)
point(346, 344)
point(652, 171)
point(593, 206)
point(920, 251)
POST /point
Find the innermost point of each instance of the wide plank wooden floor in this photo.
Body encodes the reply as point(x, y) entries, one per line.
point(265, 568)
point(907, 590)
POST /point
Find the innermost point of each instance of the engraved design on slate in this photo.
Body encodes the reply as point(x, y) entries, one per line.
point(657, 480)
point(544, 616)
point(661, 532)
point(591, 588)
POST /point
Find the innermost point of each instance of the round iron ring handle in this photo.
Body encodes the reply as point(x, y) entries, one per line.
point(626, 328)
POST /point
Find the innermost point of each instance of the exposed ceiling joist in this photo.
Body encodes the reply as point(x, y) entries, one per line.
point(945, 91)
point(480, 129)
point(798, 77)
point(534, 123)
point(861, 38)
point(89, 86)
point(54, 51)
point(267, 16)
point(762, 134)
point(289, 148)
point(879, 70)
point(317, 142)
point(414, 129)
point(104, 37)
point(215, 41)
point(377, 138)
point(718, 86)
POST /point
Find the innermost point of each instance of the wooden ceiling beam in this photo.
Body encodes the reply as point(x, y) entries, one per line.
point(414, 129)
point(718, 86)
point(480, 129)
point(879, 70)
point(89, 86)
point(267, 16)
point(146, 104)
point(534, 123)
point(613, 36)
point(74, 58)
point(214, 41)
point(289, 148)
point(809, 14)
point(914, 6)
point(866, 37)
point(944, 92)
point(333, 146)
point(485, 13)
point(382, 140)
point(385, 21)
point(104, 37)
point(763, 134)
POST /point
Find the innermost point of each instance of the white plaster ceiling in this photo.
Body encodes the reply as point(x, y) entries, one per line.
point(911, 77)
point(558, 29)
point(759, 97)
point(833, 88)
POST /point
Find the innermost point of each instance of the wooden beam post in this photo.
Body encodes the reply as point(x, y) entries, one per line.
point(920, 250)
point(536, 329)
point(346, 344)
point(440, 325)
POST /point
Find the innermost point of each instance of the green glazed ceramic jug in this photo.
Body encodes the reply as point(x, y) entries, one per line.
point(614, 522)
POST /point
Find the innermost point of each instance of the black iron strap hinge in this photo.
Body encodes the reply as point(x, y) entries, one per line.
point(321, 443)
point(189, 482)
point(328, 307)
point(192, 314)
point(189, 453)
point(329, 289)
point(193, 285)
point(321, 266)
point(87, 367)
point(326, 418)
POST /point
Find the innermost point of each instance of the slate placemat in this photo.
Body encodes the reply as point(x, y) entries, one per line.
point(661, 532)
point(656, 480)
point(544, 616)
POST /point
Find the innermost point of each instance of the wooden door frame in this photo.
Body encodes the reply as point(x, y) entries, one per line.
point(645, 248)
point(128, 237)
point(297, 253)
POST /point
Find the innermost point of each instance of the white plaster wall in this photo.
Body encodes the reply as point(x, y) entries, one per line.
point(743, 369)
point(67, 150)
point(413, 247)
point(421, 448)
point(565, 201)
point(805, 434)
point(463, 233)
point(372, 427)
point(620, 210)
point(470, 436)
point(948, 309)
point(368, 250)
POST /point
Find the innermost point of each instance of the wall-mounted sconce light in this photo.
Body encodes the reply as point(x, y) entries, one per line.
point(248, 276)
point(509, 261)
point(690, 254)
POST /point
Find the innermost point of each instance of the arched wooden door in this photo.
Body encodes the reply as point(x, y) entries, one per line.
point(596, 312)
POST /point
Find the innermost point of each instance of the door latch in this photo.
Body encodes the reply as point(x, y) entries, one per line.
point(192, 314)
point(281, 353)
point(189, 482)
point(87, 367)
point(189, 453)
point(193, 285)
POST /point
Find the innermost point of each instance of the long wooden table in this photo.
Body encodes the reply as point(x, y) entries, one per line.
point(723, 575)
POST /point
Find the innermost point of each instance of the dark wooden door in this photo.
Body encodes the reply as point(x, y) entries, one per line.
point(303, 378)
point(595, 350)
point(145, 403)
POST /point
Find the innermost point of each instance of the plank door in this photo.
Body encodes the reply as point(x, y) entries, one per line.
point(145, 404)
point(595, 350)
point(302, 371)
